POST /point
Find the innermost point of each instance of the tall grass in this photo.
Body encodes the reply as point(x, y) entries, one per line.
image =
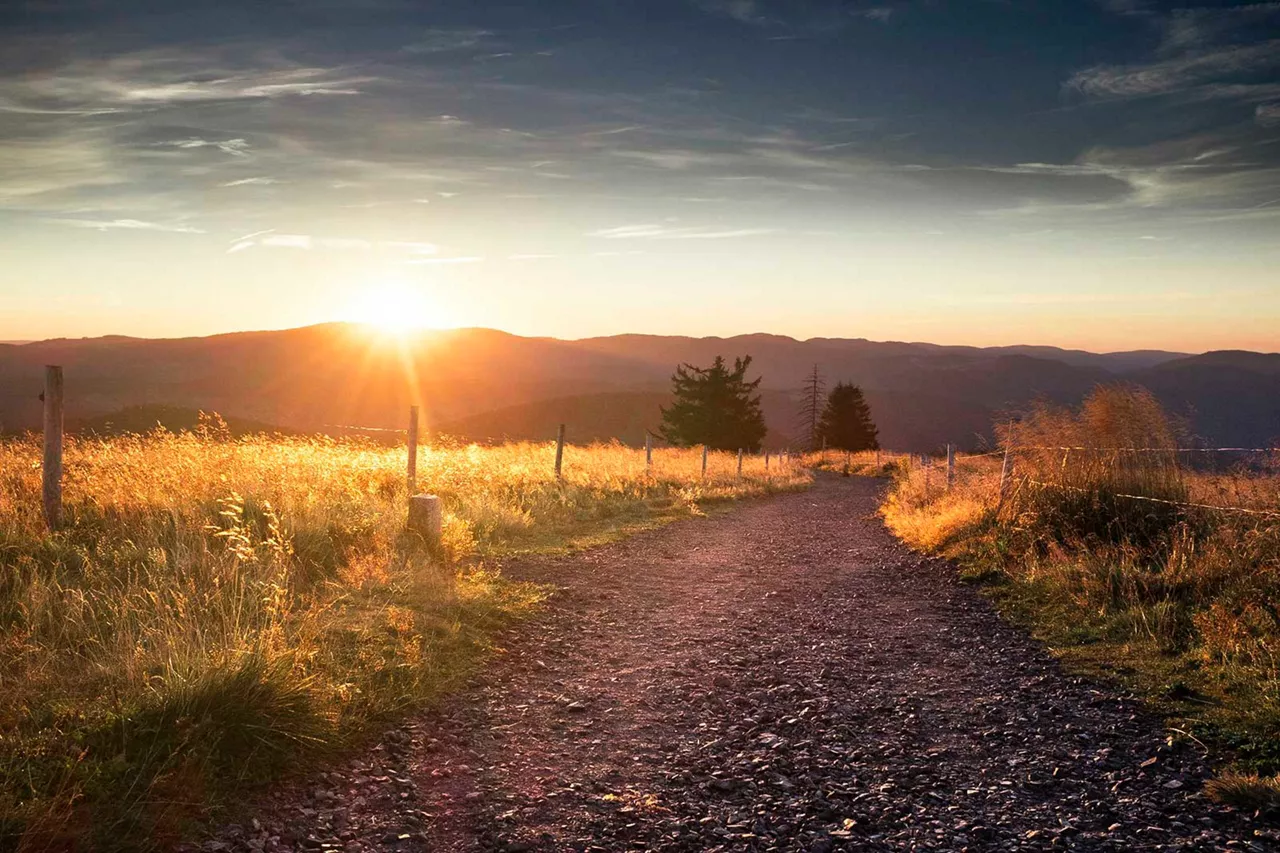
point(218, 609)
point(1110, 544)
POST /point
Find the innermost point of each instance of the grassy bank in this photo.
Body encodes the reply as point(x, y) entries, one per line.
point(218, 611)
point(1106, 546)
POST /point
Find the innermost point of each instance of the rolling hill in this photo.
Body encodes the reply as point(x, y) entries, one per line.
point(482, 383)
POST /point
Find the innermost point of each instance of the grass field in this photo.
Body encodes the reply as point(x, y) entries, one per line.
point(1113, 556)
point(218, 611)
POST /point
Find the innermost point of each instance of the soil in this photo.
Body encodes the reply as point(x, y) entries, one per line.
point(785, 676)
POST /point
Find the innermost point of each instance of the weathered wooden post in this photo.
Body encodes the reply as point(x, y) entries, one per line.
point(877, 457)
point(951, 467)
point(559, 450)
point(766, 461)
point(413, 450)
point(739, 463)
point(648, 453)
point(1004, 474)
point(426, 517)
point(704, 462)
point(52, 469)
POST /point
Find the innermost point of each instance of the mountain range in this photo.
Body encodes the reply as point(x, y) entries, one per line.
point(489, 385)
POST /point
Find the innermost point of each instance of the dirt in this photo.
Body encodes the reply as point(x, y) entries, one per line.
point(782, 677)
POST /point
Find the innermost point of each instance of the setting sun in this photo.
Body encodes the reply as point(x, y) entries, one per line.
point(394, 307)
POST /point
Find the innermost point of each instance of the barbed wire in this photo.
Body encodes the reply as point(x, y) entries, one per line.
point(1189, 504)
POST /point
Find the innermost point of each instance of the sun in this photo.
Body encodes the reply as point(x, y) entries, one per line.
point(394, 308)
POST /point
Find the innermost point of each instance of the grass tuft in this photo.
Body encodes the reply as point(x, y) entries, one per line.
point(1246, 791)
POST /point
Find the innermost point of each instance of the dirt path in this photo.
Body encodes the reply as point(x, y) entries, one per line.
point(783, 677)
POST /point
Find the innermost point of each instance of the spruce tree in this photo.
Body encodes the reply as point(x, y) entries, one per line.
point(846, 421)
point(715, 406)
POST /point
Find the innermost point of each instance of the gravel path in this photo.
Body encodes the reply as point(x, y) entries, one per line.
point(782, 677)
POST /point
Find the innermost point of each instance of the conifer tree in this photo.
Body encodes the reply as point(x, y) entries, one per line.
point(715, 406)
point(846, 422)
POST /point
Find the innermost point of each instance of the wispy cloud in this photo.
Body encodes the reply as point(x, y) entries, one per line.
point(234, 147)
point(159, 77)
point(448, 39)
point(1179, 73)
point(125, 225)
point(662, 232)
point(254, 181)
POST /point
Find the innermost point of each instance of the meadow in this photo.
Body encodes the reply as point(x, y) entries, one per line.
point(220, 611)
point(1133, 558)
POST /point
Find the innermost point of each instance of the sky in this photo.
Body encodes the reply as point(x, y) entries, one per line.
point(1102, 174)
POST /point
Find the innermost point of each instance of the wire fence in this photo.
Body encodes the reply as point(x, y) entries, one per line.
point(1260, 467)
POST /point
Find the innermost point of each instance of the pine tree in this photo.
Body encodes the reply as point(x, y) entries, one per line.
point(846, 421)
point(715, 406)
point(811, 409)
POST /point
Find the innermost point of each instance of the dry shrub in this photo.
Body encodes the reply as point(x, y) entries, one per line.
point(1107, 473)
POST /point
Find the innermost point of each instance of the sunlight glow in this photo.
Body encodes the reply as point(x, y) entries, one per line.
point(394, 307)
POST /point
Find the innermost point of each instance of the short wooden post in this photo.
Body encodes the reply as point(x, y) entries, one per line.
point(704, 462)
point(1004, 474)
point(951, 467)
point(877, 457)
point(426, 517)
point(766, 460)
point(648, 453)
point(413, 450)
point(739, 463)
point(52, 469)
point(559, 451)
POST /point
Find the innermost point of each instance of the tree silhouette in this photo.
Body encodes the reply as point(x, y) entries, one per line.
point(715, 406)
point(811, 409)
point(846, 421)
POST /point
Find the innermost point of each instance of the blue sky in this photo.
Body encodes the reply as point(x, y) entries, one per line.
point(1102, 174)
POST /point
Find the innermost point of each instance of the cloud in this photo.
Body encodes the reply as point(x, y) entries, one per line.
point(124, 224)
point(662, 232)
point(255, 181)
point(448, 39)
point(1267, 115)
point(1188, 71)
point(159, 77)
point(234, 147)
point(745, 11)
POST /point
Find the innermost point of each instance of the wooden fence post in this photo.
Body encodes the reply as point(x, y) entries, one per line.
point(951, 467)
point(413, 450)
point(704, 462)
point(1004, 475)
point(766, 460)
point(426, 517)
point(559, 451)
point(52, 469)
point(648, 453)
point(739, 463)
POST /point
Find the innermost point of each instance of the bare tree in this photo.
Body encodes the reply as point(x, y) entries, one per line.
point(812, 401)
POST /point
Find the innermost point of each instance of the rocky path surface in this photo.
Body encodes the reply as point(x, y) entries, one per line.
point(782, 677)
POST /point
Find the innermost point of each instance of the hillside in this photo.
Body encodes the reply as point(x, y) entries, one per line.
point(484, 383)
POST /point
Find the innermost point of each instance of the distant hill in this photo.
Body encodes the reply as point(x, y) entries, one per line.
point(485, 383)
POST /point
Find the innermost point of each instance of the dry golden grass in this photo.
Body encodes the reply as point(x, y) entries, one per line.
point(217, 610)
point(1113, 553)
